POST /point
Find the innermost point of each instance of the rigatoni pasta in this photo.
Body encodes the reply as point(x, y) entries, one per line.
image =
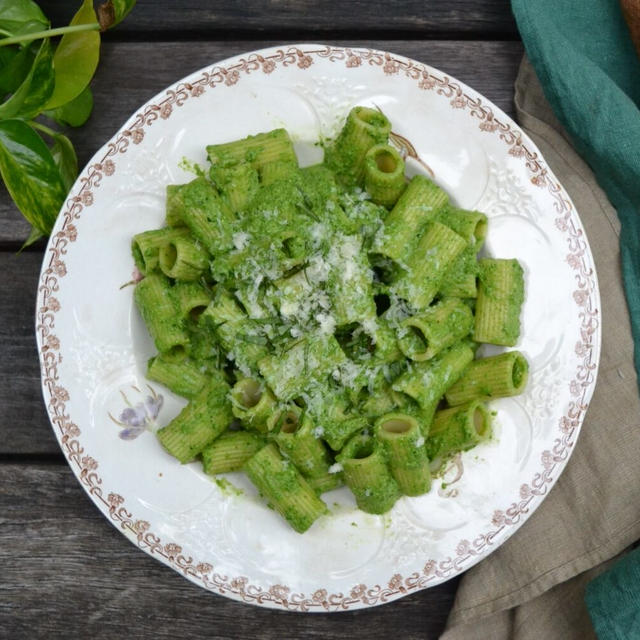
point(403, 441)
point(500, 297)
point(367, 474)
point(458, 429)
point(322, 322)
point(384, 177)
point(159, 308)
point(206, 417)
point(230, 452)
point(284, 488)
point(182, 376)
point(425, 334)
point(428, 263)
point(420, 202)
point(498, 376)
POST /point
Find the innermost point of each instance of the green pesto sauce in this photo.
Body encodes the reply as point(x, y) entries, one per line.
point(520, 369)
point(227, 487)
point(193, 167)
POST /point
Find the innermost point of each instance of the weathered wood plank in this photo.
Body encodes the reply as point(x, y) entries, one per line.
point(24, 426)
point(191, 18)
point(66, 573)
point(131, 73)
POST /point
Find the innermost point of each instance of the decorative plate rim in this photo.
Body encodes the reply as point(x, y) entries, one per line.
point(491, 120)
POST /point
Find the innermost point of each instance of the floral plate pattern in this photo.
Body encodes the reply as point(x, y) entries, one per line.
point(93, 349)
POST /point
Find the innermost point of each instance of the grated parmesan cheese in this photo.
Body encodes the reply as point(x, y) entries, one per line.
point(240, 240)
point(327, 323)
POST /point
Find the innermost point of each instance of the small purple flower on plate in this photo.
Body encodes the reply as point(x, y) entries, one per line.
point(135, 419)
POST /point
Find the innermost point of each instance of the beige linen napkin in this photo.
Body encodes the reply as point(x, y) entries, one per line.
point(533, 585)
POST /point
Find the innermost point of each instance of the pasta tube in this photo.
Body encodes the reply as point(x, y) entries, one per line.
point(285, 489)
point(159, 310)
point(428, 264)
point(183, 377)
point(426, 382)
point(419, 203)
point(458, 429)
point(205, 417)
point(384, 174)
point(183, 259)
point(230, 451)
point(207, 216)
point(174, 206)
point(253, 403)
point(363, 129)
point(422, 336)
point(498, 376)
point(402, 438)
point(460, 279)
point(257, 150)
point(500, 298)
point(237, 183)
point(234, 330)
point(192, 298)
point(366, 473)
point(471, 225)
point(299, 441)
point(145, 246)
point(326, 482)
point(277, 170)
point(349, 282)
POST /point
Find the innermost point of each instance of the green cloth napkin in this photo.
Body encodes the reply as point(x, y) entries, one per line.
point(613, 600)
point(585, 60)
point(584, 57)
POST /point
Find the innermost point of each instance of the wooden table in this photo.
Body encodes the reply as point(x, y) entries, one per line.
point(64, 570)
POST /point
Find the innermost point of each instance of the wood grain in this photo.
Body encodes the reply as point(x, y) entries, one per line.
point(66, 573)
point(132, 73)
point(191, 18)
point(24, 426)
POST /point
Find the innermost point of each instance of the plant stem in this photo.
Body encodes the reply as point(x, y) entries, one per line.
point(49, 33)
point(43, 128)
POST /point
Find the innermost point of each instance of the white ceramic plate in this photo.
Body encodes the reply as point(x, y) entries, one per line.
point(93, 347)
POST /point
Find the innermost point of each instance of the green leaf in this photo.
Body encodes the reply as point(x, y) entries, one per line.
point(7, 54)
point(30, 174)
point(15, 66)
point(31, 96)
point(64, 156)
point(112, 12)
point(21, 16)
point(75, 59)
point(34, 236)
point(76, 112)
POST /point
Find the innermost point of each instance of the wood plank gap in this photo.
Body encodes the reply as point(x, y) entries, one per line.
point(14, 246)
point(320, 34)
point(33, 459)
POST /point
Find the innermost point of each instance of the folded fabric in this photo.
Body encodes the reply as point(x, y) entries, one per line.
point(614, 600)
point(586, 62)
point(533, 585)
